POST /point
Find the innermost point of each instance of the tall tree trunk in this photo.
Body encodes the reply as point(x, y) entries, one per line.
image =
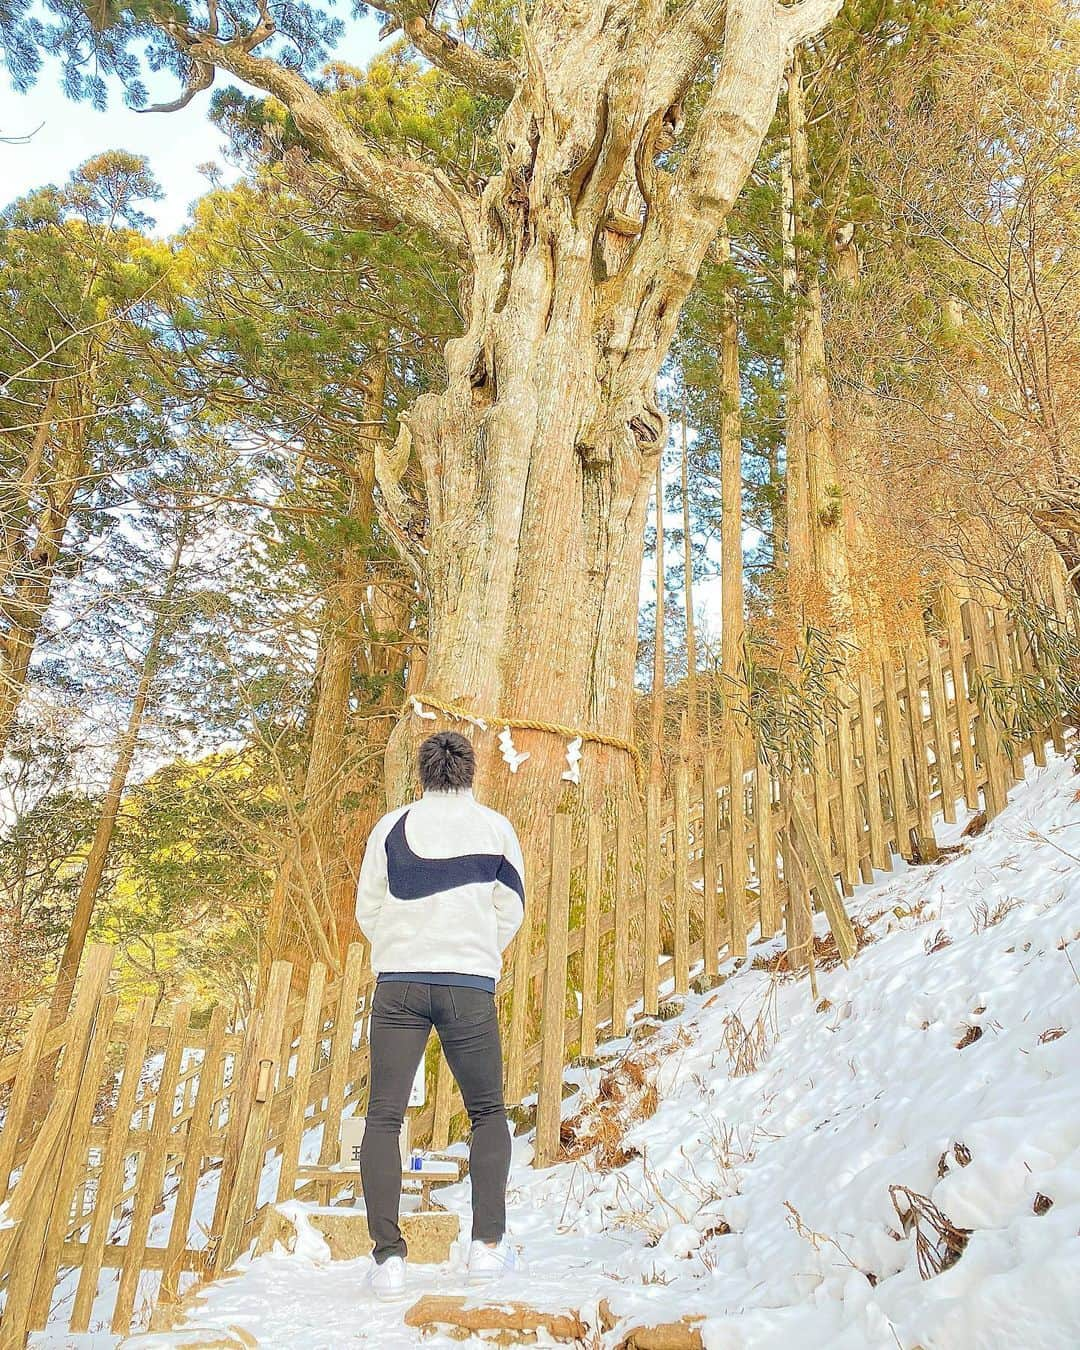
point(33, 566)
point(731, 558)
point(688, 597)
point(17, 495)
point(734, 624)
point(796, 491)
point(106, 826)
point(813, 408)
point(656, 719)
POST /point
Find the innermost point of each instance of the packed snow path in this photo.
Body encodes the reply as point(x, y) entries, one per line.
point(945, 1060)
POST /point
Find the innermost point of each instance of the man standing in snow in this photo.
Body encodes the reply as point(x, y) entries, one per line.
point(441, 894)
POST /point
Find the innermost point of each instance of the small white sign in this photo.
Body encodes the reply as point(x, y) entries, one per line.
point(352, 1136)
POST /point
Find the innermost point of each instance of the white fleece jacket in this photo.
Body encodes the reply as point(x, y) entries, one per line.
point(441, 888)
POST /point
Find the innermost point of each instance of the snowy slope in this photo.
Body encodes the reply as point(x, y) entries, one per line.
point(796, 1154)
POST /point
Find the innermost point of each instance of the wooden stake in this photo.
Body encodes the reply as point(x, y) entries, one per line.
point(939, 712)
point(621, 931)
point(897, 789)
point(682, 886)
point(553, 1023)
point(590, 950)
point(928, 848)
point(765, 850)
point(851, 825)
point(964, 708)
point(880, 854)
point(199, 1128)
point(710, 898)
point(650, 975)
point(987, 737)
point(148, 1189)
point(111, 1178)
point(72, 1162)
point(735, 854)
point(25, 1078)
point(813, 857)
point(244, 1199)
point(310, 1035)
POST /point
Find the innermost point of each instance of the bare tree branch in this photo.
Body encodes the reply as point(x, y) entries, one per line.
point(393, 191)
point(202, 77)
point(449, 53)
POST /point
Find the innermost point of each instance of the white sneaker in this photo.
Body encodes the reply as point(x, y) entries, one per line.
point(387, 1282)
point(491, 1263)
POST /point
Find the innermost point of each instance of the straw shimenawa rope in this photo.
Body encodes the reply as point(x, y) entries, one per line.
point(533, 724)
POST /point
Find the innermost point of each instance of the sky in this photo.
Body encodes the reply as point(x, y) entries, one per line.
point(61, 134)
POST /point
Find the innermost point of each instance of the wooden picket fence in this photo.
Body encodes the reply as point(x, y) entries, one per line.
point(136, 1156)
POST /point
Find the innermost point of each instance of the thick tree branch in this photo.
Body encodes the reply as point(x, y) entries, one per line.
point(759, 38)
point(394, 191)
point(696, 32)
point(690, 37)
point(457, 58)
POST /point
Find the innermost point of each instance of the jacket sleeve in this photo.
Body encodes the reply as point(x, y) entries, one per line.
point(510, 887)
point(371, 888)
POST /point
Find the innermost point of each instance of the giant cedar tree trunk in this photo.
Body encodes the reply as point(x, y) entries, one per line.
point(538, 456)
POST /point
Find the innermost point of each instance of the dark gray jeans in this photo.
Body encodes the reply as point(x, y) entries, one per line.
point(402, 1016)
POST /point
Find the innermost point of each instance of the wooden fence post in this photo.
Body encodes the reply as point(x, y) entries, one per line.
point(310, 1029)
point(33, 1202)
point(151, 1172)
point(797, 911)
point(815, 860)
point(72, 1161)
point(590, 950)
point(987, 738)
point(735, 854)
point(709, 895)
point(553, 1023)
point(681, 848)
point(928, 849)
point(651, 973)
point(897, 788)
point(1003, 654)
point(244, 1197)
point(880, 853)
point(851, 827)
point(765, 850)
point(966, 712)
point(521, 992)
point(199, 1127)
point(444, 1088)
point(620, 951)
point(111, 1177)
point(25, 1078)
point(340, 1050)
point(939, 712)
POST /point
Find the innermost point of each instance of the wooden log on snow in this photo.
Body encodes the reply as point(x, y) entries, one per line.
point(455, 1313)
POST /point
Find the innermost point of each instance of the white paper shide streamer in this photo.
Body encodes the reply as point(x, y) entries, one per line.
point(514, 757)
point(573, 759)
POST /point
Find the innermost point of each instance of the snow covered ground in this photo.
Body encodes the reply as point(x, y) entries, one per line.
point(757, 1193)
